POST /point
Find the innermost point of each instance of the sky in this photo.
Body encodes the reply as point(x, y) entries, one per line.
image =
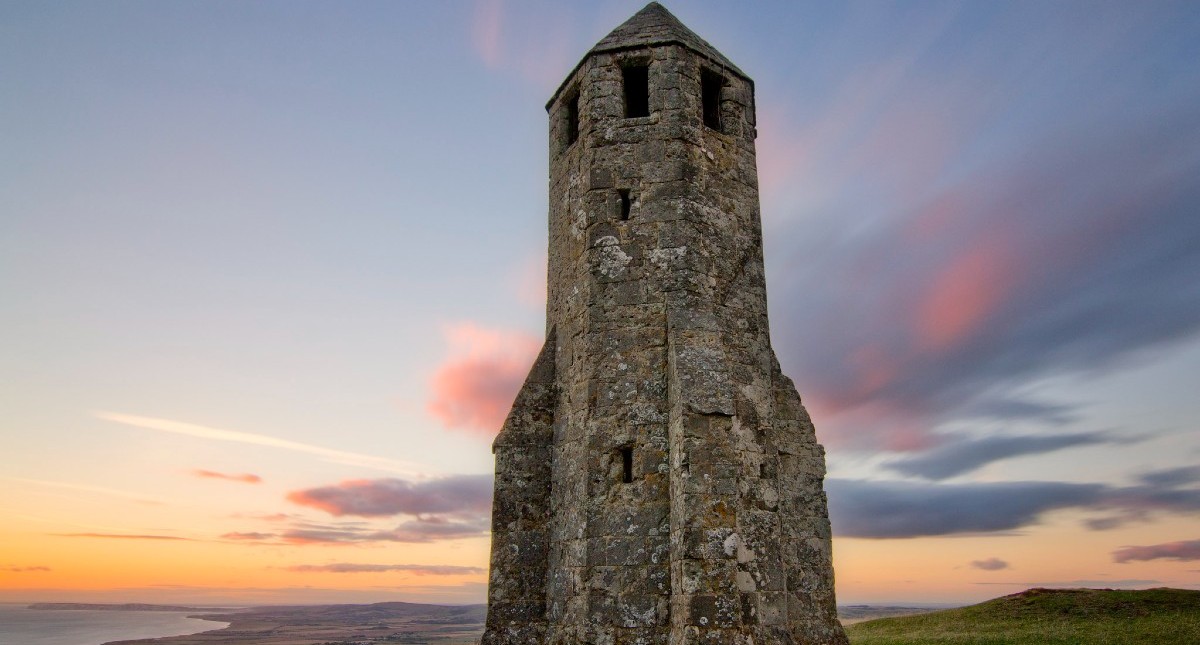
point(271, 273)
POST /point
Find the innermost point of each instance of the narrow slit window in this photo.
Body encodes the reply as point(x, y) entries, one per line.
point(637, 90)
point(626, 204)
point(711, 85)
point(572, 119)
point(627, 464)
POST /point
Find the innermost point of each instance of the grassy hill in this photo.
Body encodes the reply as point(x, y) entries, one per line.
point(1049, 617)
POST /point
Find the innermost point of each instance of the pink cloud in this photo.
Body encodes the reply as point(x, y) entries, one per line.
point(487, 27)
point(782, 157)
point(868, 424)
point(474, 388)
point(964, 292)
point(875, 369)
point(541, 56)
point(449, 508)
point(1184, 551)
point(383, 497)
point(245, 478)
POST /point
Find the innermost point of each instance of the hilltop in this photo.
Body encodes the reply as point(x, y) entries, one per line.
point(1049, 617)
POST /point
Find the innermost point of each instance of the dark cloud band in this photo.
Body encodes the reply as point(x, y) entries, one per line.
point(905, 509)
point(384, 497)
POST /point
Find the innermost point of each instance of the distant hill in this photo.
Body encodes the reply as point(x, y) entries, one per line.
point(361, 614)
point(129, 606)
point(1049, 617)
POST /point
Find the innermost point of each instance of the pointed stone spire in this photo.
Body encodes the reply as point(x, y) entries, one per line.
point(651, 26)
point(654, 25)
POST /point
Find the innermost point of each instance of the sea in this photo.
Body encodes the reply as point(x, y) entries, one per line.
point(22, 626)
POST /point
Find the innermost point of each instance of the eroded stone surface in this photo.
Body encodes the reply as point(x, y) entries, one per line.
point(658, 480)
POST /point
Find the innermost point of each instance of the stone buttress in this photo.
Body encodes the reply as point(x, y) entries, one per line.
point(657, 480)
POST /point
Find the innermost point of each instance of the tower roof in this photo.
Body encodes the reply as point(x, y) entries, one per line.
point(653, 25)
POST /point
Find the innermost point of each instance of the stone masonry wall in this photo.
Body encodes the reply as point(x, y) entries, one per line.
point(658, 345)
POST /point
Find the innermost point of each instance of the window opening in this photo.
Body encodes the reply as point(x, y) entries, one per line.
point(625, 203)
point(627, 464)
point(572, 119)
point(637, 90)
point(711, 85)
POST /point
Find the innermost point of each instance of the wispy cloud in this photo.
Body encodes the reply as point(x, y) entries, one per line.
point(88, 488)
point(124, 536)
point(1183, 551)
point(487, 26)
point(266, 517)
point(419, 530)
point(1172, 476)
point(245, 478)
point(474, 388)
point(417, 569)
point(540, 56)
point(253, 536)
point(32, 569)
point(217, 434)
point(989, 564)
point(963, 455)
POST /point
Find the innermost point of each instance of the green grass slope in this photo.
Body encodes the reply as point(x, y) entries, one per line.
point(1049, 617)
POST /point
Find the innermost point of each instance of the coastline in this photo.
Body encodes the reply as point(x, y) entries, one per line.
point(221, 623)
point(19, 624)
point(383, 622)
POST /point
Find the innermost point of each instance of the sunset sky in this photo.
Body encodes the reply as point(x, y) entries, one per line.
point(271, 272)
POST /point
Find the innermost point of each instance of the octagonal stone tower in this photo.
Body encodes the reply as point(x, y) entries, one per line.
point(657, 480)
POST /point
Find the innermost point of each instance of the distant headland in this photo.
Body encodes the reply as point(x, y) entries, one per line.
point(133, 606)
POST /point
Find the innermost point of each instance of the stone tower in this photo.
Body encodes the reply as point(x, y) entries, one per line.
point(657, 480)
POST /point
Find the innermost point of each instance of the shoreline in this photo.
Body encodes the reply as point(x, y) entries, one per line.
point(20, 624)
point(382, 622)
point(222, 626)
